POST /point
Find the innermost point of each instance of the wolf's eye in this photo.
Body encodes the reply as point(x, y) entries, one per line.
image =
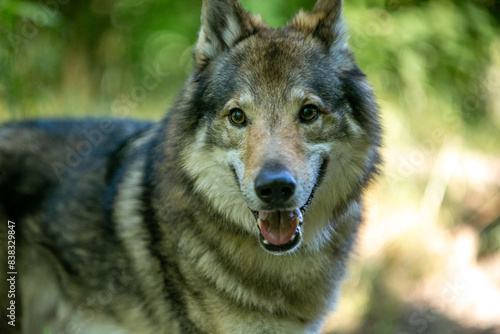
point(309, 113)
point(237, 117)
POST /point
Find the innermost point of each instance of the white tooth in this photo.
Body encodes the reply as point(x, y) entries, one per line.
point(294, 236)
point(258, 222)
point(266, 242)
point(300, 218)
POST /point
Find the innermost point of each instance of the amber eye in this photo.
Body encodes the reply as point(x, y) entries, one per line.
point(309, 113)
point(237, 117)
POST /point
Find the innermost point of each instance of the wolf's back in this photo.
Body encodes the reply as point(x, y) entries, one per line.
point(37, 156)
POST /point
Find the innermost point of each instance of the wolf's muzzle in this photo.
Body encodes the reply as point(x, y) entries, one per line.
point(274, 185)
point(279, 225)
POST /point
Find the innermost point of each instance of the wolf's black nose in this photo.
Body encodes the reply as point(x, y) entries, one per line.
point(274, 185)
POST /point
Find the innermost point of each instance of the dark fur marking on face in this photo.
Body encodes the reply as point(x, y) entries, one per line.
point(361, 101)
point(365, 111)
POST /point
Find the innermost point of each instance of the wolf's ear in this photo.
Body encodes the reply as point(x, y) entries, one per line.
point(325, 23)
point(224, 23)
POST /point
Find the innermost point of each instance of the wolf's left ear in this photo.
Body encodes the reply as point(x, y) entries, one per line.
point(224, 23)
point(325, 23)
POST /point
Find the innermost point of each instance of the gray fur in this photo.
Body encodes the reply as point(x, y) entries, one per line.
point(129, 227)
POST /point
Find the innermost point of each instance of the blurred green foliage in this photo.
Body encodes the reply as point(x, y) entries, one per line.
point(429, 60)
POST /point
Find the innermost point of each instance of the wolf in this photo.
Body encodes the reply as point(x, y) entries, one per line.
point(236, 213)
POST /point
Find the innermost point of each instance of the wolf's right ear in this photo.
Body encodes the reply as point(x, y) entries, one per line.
point(224, 23)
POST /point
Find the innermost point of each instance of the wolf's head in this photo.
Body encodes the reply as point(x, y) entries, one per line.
point(284, 125)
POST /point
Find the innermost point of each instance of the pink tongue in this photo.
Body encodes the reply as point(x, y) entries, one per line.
point(278, 227)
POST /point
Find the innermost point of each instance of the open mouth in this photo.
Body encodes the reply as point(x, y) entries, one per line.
point(281, 230)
